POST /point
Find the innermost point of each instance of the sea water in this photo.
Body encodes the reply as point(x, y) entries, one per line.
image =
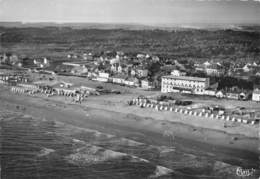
point(43, 148)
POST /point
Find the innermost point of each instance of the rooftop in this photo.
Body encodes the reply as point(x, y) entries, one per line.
point(188, 78)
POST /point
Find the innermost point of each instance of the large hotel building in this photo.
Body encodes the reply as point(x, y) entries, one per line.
point(184, 84)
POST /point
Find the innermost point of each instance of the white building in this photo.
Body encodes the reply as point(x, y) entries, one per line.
point(103, 75)
point(256, 95)
point(118, 80)
point(210, 92)
point(177, 73)
point(42, 62)
point(71, 64)
point(101, 79)
point(129, 83)
point(146, 84)
point(184, 84)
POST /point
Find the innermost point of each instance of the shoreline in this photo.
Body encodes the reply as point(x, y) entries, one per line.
point(57, 110)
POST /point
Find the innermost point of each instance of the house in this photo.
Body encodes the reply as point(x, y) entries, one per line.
point(14, 78)
point(244, 95)
point(155, 58)
point(102, 77)
point(113, 68)
point(232, 95)
point(220, 94)
point(199, 68)
point(134, 82)
point(92, 75)
point(133, 73)
point(114, 61)
point(214, 70)
point(145, 84)
point(119, 79)
point(8, 58)
point(206, 64)
point(210, 92)
point(246, 68)
point(88, 56)
point(237, 93)
point(79, 70)
point(69, 55)
point(128, 82)
point(117, 68)
point(211, 69)
point(256, 95)
point(140, 72)
point(140, 56)
point(184, 83)
point(41, 63)
point(178, 73)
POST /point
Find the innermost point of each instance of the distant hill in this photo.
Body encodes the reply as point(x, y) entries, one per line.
point(167, 27)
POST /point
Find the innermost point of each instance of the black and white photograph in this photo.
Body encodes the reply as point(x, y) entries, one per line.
point(129, 89)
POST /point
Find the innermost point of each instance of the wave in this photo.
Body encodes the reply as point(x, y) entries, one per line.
point(161, 171)
point(45, 152)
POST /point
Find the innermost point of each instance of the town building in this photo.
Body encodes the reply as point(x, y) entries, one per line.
point(141, 72)
point(133, 73)
point(102, 77)
point(119, 79)
point(220, 94)
point(184, 84)
point(132, 82)
point(232, 95)
point(256, 95)
point(117, 68)
point(210, 92)
point(178, 73)
point(145, 84)
point(41, 62)
point(211, 69)
point(214, 70)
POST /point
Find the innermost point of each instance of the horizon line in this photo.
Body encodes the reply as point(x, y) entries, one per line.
point(125, 23)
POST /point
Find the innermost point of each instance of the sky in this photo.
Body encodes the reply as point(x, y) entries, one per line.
point(132, 11)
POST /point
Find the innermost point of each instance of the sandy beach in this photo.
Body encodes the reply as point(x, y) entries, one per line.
point(112, 109)
point(110, 114)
